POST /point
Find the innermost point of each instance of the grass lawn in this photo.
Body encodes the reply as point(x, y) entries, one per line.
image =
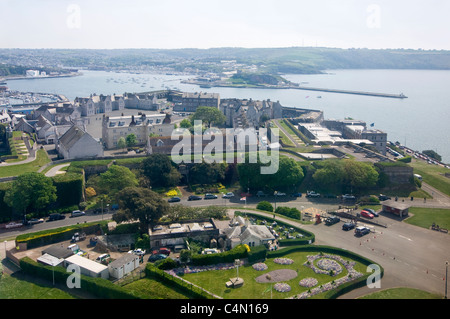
point(12, 288)
point(16, 170)
point(214, 280)
point(432, 175)
point(425, 217)
point(148, 288)
point(402, 293)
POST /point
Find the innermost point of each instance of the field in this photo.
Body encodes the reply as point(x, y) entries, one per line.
point(215, 280)
point(401, 293)
point(425, 217)
point(433, 175)
point(15, 170)
point(147, 288)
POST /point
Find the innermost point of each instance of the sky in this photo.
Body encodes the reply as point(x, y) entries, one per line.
point(170, 24)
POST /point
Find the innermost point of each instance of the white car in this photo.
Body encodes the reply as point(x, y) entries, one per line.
point(137, 251)
point(13, 225)
point(280, 194)
point(228, 195)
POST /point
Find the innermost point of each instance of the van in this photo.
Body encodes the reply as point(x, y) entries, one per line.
point(102, 258)
point(77, 213)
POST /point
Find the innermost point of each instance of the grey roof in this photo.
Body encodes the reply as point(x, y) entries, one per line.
point(58, 251)
point(72, 136)
point(259, 231)
point(125, 259)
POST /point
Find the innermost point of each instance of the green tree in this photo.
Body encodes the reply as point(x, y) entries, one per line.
point(160, 171)
point(131, 140)
point(30, 192)
point(121, 143)
point(116, 178)
point(185, 123)
point(433, 155)
point(330, 175)
point(209, 115)
point(265, 205)
point(137, 203)
point(359, 175)
point(207, 173)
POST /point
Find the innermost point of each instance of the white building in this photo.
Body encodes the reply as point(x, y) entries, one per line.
point(243, 232)
point(77, 143)
point(88, 267)
point(124, 265)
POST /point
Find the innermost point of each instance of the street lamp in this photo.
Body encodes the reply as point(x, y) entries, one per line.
point(237, 262)
point(446, 273)
point(275, 193)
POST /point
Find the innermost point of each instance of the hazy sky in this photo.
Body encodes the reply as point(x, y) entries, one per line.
point(171, 24)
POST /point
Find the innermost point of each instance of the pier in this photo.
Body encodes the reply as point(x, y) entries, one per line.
point(395, 96)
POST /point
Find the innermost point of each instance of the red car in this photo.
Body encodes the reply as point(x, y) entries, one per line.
point(366, 214)
point(164, 251)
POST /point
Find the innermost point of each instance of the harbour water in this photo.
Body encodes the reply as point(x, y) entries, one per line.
point(419, 122)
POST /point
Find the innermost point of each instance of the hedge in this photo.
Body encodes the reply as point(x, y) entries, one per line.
point(257, 253)
point(51, 236)
point(291, 212)
point(265, 205)
point(237, 252)
point(69, 189)
point(197, 293)
point(99, 287)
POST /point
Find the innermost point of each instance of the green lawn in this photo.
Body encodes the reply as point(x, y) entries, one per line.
point(425, 217)
point(148, 288)
point(12, 288)
point(401, 293)
point(432, 175)
point(16, 170)
point(214, 280)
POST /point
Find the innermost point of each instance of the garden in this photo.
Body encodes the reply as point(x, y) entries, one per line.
point(298, 274)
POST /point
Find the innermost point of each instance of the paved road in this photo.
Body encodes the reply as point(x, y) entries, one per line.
point(56, 170)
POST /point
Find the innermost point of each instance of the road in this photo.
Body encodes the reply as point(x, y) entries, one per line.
point(411, 256)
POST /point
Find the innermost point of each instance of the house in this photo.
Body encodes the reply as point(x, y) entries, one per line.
point(118, 102)
point(24, 126)
point(4, 117)
point(77, 143)
point(124, 265)
point(191, 101)
point(241, 231)
point(88, 267)
point(95, 104)
point(143, 101)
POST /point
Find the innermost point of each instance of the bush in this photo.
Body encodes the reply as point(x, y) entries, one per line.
point(225, 257)
point(265, 205)
point(166, 264)
point(291, 212)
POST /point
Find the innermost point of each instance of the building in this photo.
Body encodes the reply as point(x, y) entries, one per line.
point(124, 265)
point(118, 102)
point(77, 143)
point(378, 138)
point(191, 101)
point(241, 231)
point(95, 104)
point(113, 128)
point(88, 267)
point(175, 235)
point(142, 101)
point(5, 118)
point(400, 209)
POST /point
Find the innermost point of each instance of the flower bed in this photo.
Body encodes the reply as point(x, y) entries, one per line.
point(260, 266)
point(196, 269)
point(282, 287)
point(308, 282)
point(329, 265)
point(283, 261)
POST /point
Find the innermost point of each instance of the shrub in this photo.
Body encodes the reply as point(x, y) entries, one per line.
point(225, 257)
point(265, 205)
point(166, 264)
point(291, 212)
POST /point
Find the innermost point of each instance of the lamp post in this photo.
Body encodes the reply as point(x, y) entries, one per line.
point(237, 262)
point(446, 273)
point(275, 194)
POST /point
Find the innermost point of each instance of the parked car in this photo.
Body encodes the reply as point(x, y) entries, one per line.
point(13, 225)
point(194, 197)
point(348, 226)
point(296, 195)
point(366, 214)
point(164, 251)
point(348, 197)
point(137, 251)
point(362, 230)
point(228, 195)
point(156, 257)
point(261, 194)
point(332, 220)
point(174, 199)
point(383, 197)
point(77, 213)
point(34, 221)
point(312, 194)
point(210, 196)
point(371, 211)
point(280, 194)
point(55, 216)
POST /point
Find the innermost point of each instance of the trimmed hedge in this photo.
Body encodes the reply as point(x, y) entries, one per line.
point(291, 212)
point(197, 293)
point(265, 205)
point(257, 253)
point(69, 189)
point(237, 252)
point(48, 237)
point(99, 287)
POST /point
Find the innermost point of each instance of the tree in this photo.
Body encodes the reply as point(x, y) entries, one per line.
point(433, 155)
point(30, 192)
point(185, 123)
point(207, 173)
point(131, 140)
point(330, 175)
point(121, 143)
point(116, 178)
point(359, 175)
point(137, 203)
point(209, 115)
point(159, 170)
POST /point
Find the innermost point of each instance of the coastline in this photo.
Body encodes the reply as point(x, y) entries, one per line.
point(21, 77)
